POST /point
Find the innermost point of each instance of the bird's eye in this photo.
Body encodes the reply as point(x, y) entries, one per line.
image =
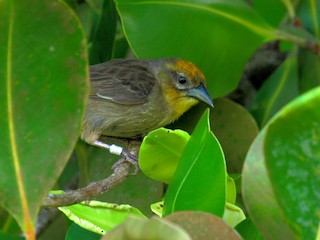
point(182, 79)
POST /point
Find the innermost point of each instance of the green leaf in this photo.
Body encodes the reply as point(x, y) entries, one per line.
point(155, 228)
point(248, 231)
point(86, 15)
point(8, 224)
point(231, 191)
point(121, 45)
point(279, 89)
point(157, 208)
point(281, 177)
point(308, 69)
point(201, 225)
point(292, 150)
point(273, 11)
point(103, 37)
point(160, 153)
point(75, 232)
point(235, 128)
point(259, 197)
point(99, 217)
point(309, 13)
point(199, 182)
point(44, 86)
point(212, 34)
point(233, 215)
point(9, 237)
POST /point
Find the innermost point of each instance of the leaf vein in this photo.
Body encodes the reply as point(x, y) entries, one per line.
point(13, 145)
point(265, 32)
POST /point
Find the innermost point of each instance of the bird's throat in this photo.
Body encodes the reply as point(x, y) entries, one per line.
point(177, 102)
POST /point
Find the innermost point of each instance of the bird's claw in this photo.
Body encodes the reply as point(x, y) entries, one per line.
point(128, 157)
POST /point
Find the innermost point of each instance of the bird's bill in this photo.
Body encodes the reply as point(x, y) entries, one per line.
point(201, 94)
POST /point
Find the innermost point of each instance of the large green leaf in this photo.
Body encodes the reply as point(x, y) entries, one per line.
point(43, 76)
point(9, 237)
point(309, 13)
point(235, 128)
point(101, 44)
point(273, 11)
point(309, 63)
point(99, 217)
point(160, 153)
point(199, 182)
point(77, 232)
point(219, 36)
point(280, 88)
point(308, 69)
point(281, 176)
point(248, 231)
point(292, 150)
point(233, 215)
point(259, 197)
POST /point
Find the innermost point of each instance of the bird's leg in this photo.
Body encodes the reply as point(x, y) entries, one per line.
point(117, 150)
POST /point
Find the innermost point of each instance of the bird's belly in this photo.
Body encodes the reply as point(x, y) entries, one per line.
point(116, 120)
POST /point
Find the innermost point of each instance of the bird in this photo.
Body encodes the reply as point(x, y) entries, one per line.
point(131, 97)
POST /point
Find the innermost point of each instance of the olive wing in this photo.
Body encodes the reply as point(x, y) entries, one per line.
point(127, 82)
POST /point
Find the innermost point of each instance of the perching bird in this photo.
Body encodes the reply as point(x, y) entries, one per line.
point(130, 97)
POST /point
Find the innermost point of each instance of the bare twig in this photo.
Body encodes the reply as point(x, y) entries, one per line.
point(120, 174)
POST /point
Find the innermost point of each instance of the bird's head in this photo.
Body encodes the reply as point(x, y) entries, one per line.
point(184, 85)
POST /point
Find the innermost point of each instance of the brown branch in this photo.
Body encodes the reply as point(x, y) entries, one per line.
point(119, 175)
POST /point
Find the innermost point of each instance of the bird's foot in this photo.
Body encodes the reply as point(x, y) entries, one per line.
point(128, 157)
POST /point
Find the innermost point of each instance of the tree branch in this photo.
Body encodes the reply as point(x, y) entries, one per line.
point(119, 175)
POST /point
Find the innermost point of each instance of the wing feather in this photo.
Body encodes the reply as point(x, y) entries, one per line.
point(123, 81)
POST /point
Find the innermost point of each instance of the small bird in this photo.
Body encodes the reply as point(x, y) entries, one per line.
point(130, 97)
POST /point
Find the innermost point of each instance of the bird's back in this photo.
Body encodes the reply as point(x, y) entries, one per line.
point(125, 100)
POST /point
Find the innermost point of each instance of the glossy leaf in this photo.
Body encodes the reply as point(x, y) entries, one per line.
point(101, 43)
point(75, 232)
point(292, 150)
point(157, 208)
point(273, 11)
point(99, 217)
point(8, 224)
point(259, 197)
point(85, 14)
point(231, 191)
point(155, 228)
point(279, 89)
point(199, 182)
point(44, 86)
point(248, 231)
point(160, 153)
point(201, 225)
point(235, 128)
point(213, 34)
point(309, 13)
point(9, 237)
point(281, 177)
point(309, 70)
point(233, 215)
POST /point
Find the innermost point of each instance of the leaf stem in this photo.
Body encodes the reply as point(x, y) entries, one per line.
point(290, 8)
point(312, 45)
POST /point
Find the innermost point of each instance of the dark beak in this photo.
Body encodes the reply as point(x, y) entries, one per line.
point(201, 94)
